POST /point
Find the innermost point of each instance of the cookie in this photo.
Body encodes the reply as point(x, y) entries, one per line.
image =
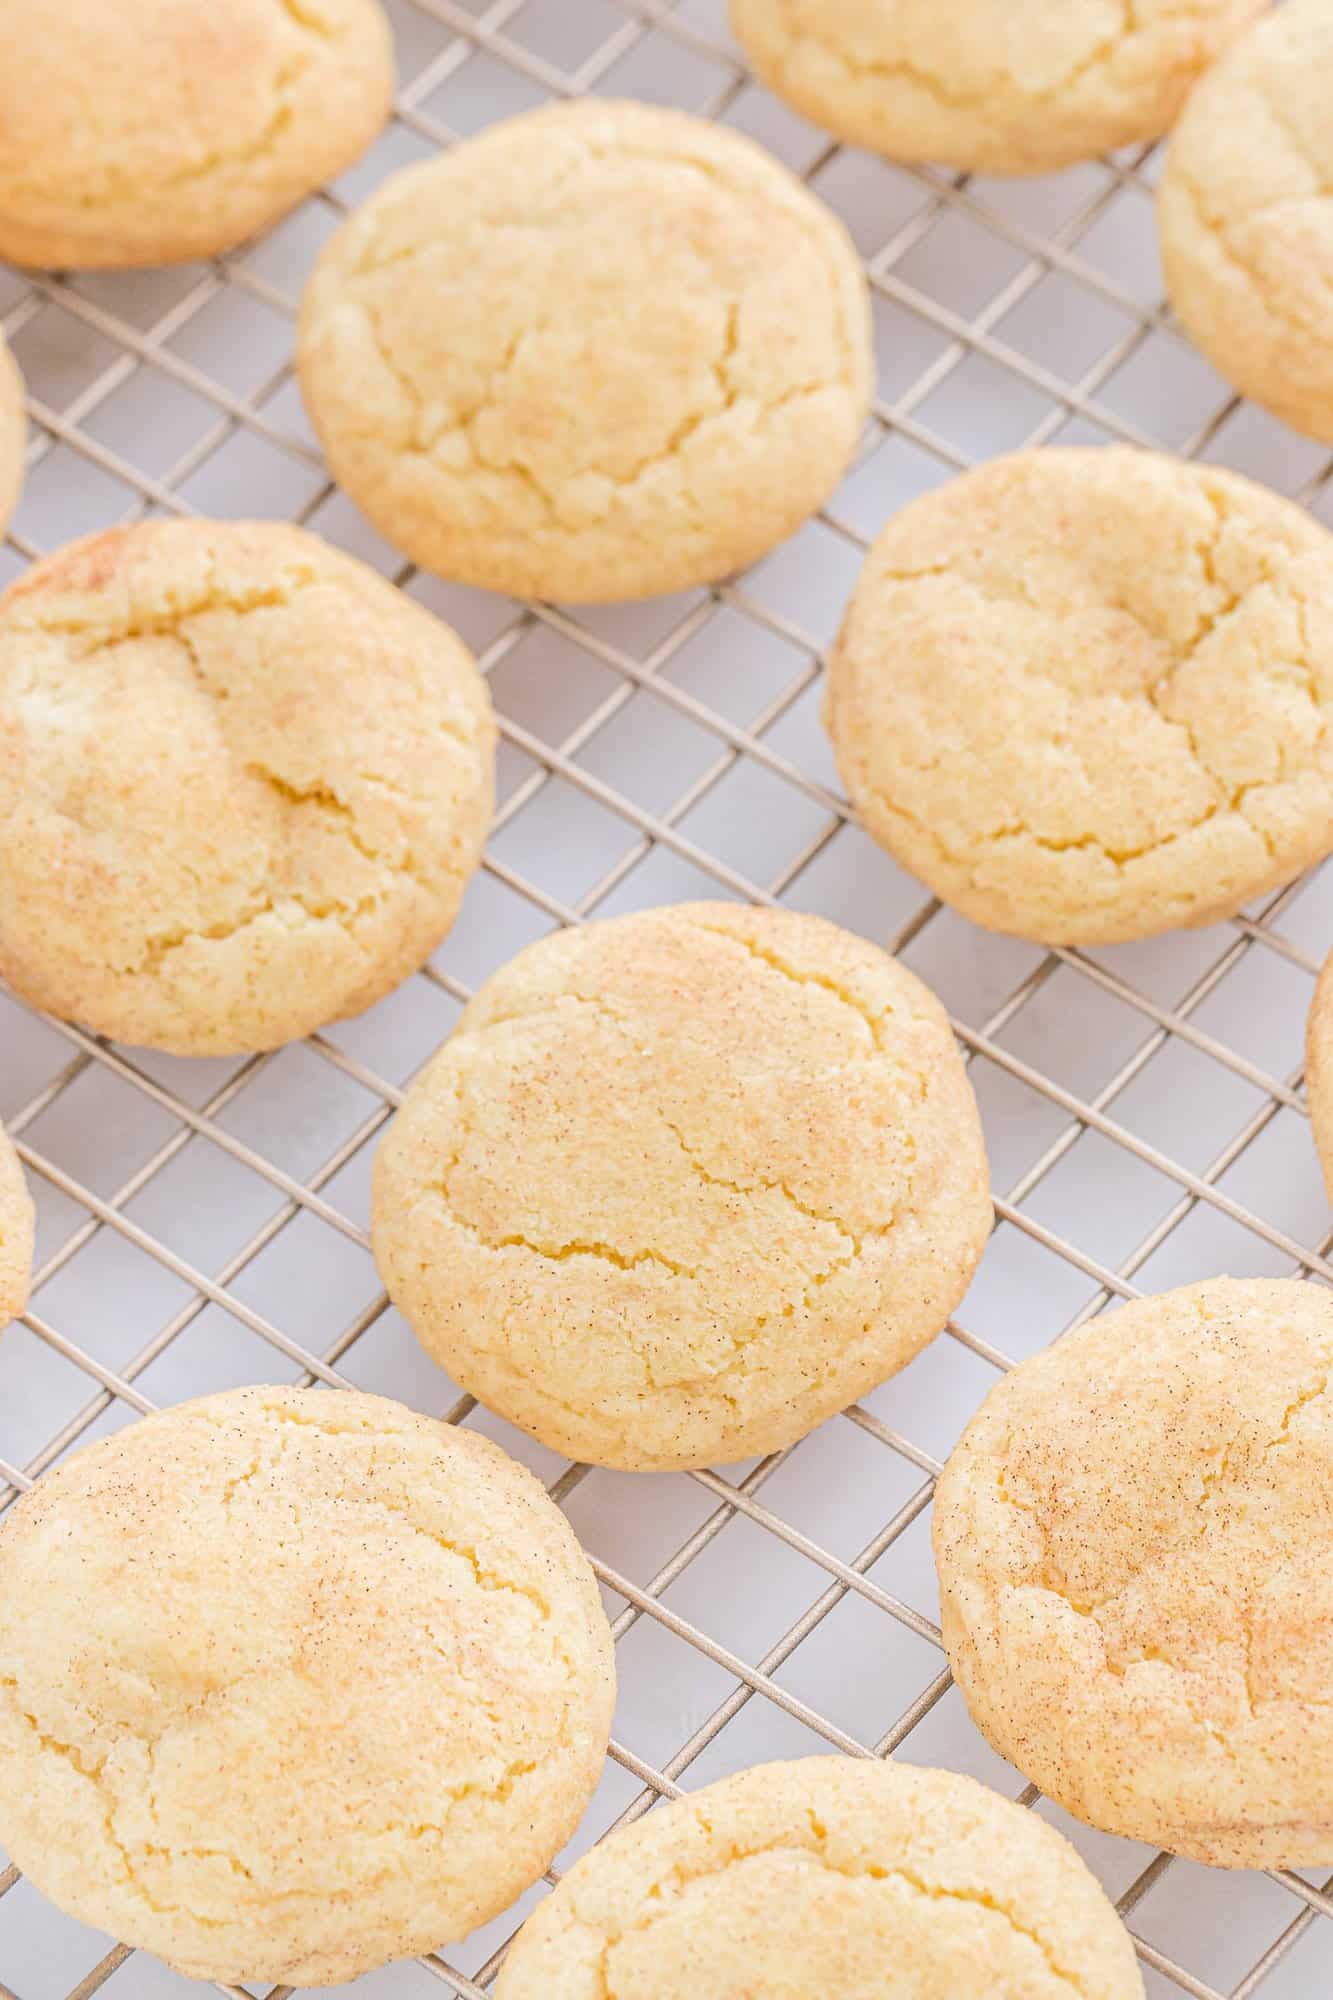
point(986, 85)
point(1319, 1070)
point(828, 1876)
point(683, 1184)
point(1135, 1548)
point(16, 1227)
point(243, 782)
point(601, 351)
point(1086, 695)
point(1243, 212)
point(293, 1683)
point(13, 434)
point(172, 129)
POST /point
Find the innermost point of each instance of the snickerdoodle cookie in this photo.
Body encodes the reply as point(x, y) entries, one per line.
point(984, 84)
point(828, 1876)
point(683, 1184)
point(1135, 1548)
point(293, 1683)
point(1087, 695)
point(16, 1224)
point(601, 351)
point(243, 782)
point(172, 129)
point(1319, 1070)
point(13, 434)
point(1247, 221)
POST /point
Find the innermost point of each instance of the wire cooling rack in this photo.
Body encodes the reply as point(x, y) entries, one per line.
point(203, 1224)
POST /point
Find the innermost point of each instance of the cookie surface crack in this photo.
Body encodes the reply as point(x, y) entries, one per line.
point(563, 1252)
point(1231, 798)
point(758, 1186)
point(93, 1772)
point(1228, 1470)
point(429, 442)
point(738, 1340)
point(668, 1888)
point(1302, 312)
point(259, 899)
point(803, 32)
point(303, 15)
point(286, 1420)
point(765, 956)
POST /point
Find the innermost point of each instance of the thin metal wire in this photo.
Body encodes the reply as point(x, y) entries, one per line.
point(496, 31)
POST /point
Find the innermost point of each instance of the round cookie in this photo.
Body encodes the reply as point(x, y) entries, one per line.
point(683, 1184)
point(16, 1229)
point(172, 129)
point(1135, 1548)
point(604, 350)
point(1245, 219)
point(243, 782)
point(828, 1876)
point(13, 434)
point(293, 1683)
point(984, 84)
point(1319, 1070)
point(1086, 695)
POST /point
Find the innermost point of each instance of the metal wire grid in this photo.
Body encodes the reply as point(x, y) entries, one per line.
point(125, 348)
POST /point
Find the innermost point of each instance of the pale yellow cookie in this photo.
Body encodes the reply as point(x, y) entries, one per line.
point(13, 434)
point(1087, 695)
point(1319, 1070)
point(16, 1226)
point(683, 1184)
point(992, 86)
point(1135, 1549)
point(161, 130)
point(292, 1683)
point(601, 351)
point(1246, 219)
point(243, 783)
point(831, 1876)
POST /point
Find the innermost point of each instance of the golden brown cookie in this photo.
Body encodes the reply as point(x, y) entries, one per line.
point(601, 351)
point(243, 783)
point(1245, 217)
point(988, 85)
point(1087, 695)
point(164, 130)
point(293, 1683)
point(16, 1227)
point(683, 1184)
point(1135, 1549)
point(828, 1876)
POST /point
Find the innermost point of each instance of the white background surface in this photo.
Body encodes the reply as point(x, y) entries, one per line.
point(202, 1223)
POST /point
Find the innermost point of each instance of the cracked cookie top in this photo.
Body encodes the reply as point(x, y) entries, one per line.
point(16, 1229)
point(1086, 695)
point(1246, 216)
point(830, 1875)
point(601, 351)
point(243, 783)
point(293, 1683)
point(1135, 1548)
point(1319, 1070)
point(984, 84)
point(683, 1184)
point(166, 130)
point(13, 434)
